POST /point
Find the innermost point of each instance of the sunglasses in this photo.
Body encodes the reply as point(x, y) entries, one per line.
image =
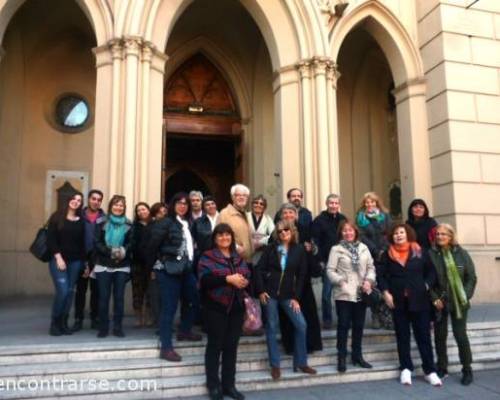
point(280, 231)
point(258, 203)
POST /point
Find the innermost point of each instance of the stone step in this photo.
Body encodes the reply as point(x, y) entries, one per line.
point(112, 348)
point(194, 364)
point(187, 386)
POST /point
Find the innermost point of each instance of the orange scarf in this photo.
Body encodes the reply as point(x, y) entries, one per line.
point(401, 252)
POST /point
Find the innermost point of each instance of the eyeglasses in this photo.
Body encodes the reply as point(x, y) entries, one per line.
point(280, 231)
point(258, 203)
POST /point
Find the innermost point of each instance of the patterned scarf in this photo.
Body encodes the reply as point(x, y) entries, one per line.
point(458, 294)
point(115, 230)
point(353, 249)
point(363, 218)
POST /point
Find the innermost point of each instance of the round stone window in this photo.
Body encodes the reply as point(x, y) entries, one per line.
point(72, 113)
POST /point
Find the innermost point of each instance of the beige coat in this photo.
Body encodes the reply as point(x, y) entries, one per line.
point(339, 269)
point(238, 222)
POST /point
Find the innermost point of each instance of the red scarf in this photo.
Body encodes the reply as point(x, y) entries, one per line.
point(401, 252)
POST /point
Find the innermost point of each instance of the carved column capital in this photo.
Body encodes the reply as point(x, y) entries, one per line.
point(320, 65)
point(132, 45)
point(333, 74)
point(148, 49)
point(304, 68)
point(116, 48)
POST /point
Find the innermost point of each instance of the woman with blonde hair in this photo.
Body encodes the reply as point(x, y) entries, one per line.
point(374, 222)
point(455, 285)
point(279, 279)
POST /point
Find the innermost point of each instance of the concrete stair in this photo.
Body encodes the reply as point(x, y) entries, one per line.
point(122, 361)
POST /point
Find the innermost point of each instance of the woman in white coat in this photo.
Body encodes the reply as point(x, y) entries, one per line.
point(261, 226)
point(351, 270)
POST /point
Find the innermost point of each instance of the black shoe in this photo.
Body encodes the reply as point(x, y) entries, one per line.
point(78, 325)
point(64, 326)
point(118, 332)
point(341, 367)
point(361, 362)
point(94, 324)
point(442, 373)
point(55, 327)
point(102, 333)
point(467, 378)
point(233, 393)
point(215, 393)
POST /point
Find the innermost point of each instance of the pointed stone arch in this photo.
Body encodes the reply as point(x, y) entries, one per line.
point(407, 71)
point(399, 48)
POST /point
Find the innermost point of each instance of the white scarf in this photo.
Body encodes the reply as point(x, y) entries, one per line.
point(213, 220)
point(187, 238)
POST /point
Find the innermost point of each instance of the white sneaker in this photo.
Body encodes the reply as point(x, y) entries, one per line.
point(433, 379)
point(405, 377)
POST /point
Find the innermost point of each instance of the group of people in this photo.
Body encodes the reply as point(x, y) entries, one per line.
point(212, 263)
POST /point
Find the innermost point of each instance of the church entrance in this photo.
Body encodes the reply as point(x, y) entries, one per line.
point(202, 132)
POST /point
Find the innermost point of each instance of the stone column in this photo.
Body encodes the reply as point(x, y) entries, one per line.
point(132, 50)
point(105, 143)
point(414, 154)
point(332, 75)
point(320, 66)
point(286, 91)
point(152, 173)
point(143, 137)
point(304, 69)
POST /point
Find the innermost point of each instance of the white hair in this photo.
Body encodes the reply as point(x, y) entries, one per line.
point(196, 193)
point(239, 187)
point(331, 196)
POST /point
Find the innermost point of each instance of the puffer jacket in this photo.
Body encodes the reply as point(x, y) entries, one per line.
point(339, 269)
point(165, 241)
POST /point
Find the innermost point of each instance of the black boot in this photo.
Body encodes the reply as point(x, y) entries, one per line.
point(341, 366)
point(361, 362)
point(118, 331)
point(467, 378)
point(55, 327)
point(78, 325)
point(94, 324)
point(64, 326)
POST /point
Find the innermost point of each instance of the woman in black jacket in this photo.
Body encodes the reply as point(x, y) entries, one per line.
point(423, 224)
point(405, 277)
point(112, 264)
point(140, 273)
point(223, 277)
point(279, 281)
point(66, 243)
point(171, 243)
point(308, 300)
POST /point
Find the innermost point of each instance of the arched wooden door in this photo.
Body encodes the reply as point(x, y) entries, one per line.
point(202, 128)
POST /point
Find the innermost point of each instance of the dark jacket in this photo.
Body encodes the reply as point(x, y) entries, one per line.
point(140, 238)
point(425, 230)
point(213, 269)
point(324, 233)
point(466, 270)
point(201, 230)
point(374, 235)
point(280, 285)
point(102, 252)
point(90, 228)
point(415, 278)
point(165, 242)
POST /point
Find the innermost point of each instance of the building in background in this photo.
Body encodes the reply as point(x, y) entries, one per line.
point(145, 98)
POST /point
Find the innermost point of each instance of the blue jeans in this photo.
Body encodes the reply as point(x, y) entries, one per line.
point(173, 287)
point(107, 281)
point(272, 326)
point(326, 299)
point(64, 283)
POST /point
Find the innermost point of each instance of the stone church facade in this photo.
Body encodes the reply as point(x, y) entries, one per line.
point(145, 97)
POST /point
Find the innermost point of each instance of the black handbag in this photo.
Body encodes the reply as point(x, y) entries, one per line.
point(39, 247)
point(372, 299)
point(177, 266)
